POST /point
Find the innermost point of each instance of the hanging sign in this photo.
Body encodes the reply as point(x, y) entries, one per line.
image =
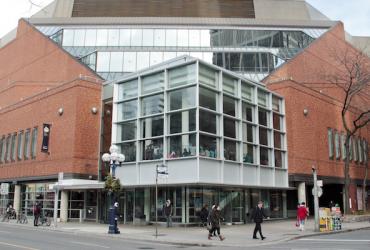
point(45, 138)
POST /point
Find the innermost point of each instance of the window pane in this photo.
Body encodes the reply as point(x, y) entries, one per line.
point(278, 158)
point(264, 156)
point(152, 83)
point(20, 143)
point(90, 39)
point(359, 146)
point(343, 140)
point(194, 38)
point(248, 153)
point(79, 38)
point(116, 62)
point(171, 38)
point(247, 112)
point(68, 37)
point(181, 146)
point(142, 60)
point(127, 110)
point(152, 105)
point(205, 38)
point(207, 98)
point(229, 105)
point(208, 76)
point(27, 144)
point(182, 99)
point(128, 89)
point(248, 132)
point(337, 146)
point(264, 138)
point(102, 38)
point(126, 131)
point(136, 37)
point(208, 146)
point(183, 38)
point(151, 127)
point(155, 58)
point(102, 64)
point(181, 75)
point(247, 92)
point(181, 122)
point(229, 84)
point(277, 121)
point(230, 150)
point(262, 98)
point(278, 139)
point(148, 37)
point(263, 117)
point(159, 37)
point(207, 122)
point(276, 106)
point(129, 62)
point(34, 143)
point(152, 149)
point(129, 151)
point(1, 150)
point(113, 37)
point(230, 127)
point(330, 143)
point(12, 153)
point(124, 37)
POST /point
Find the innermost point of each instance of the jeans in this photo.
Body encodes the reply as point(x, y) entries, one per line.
point(169, 221)
point(257, 228)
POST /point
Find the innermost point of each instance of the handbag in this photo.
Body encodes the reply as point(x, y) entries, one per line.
point(209, 226)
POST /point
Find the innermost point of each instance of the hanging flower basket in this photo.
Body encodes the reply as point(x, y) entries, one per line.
point(112, 184)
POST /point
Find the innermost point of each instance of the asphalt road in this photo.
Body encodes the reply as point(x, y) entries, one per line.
point(26, 238)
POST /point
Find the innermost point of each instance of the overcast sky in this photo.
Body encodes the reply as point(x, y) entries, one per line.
point(354, 13)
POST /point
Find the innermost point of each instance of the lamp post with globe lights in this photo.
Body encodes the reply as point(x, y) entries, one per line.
point(115, 160)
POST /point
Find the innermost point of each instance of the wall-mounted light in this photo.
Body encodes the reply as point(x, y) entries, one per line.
point(60, 111)
point(94, 110)
point(305, 112)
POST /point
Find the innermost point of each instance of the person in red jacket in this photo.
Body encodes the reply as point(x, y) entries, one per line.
point(302, 214)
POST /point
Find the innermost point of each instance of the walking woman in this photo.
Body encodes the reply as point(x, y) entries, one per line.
point(302, 213)
point(215, 219)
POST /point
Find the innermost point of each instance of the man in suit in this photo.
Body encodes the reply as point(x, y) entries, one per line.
point(258, 215)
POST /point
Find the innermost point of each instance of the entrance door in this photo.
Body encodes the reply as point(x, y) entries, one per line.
point(129, 206)
point(231, 203)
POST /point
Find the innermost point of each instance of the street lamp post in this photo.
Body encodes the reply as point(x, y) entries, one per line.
point(316, 199)
point(161, 171)
point(115, 160)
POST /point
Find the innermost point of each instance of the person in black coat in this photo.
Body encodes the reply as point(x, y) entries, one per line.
point(203, 214)
point(258, 215)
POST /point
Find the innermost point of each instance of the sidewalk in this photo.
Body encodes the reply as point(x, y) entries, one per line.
point(236, 235)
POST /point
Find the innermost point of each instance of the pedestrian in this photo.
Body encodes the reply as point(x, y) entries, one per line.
point(215, 220)
point(36, 214)
point(204, 215)
point(168, 213)
point(116, 214)
point(257, 216)
point(302, 214)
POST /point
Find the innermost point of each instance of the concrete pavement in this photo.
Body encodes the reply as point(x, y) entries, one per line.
point(236, 235)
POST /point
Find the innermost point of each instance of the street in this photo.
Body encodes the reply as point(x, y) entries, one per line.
point(15, 237)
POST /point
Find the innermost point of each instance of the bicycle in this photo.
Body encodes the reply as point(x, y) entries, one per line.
point(22, 218)
point(45, 220)
point(10, 215)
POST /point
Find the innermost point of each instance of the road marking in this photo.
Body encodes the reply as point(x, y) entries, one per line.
point(18, 246)
point(88, 244)
point(343, 240)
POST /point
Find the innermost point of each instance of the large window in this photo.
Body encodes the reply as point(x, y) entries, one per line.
point(181, 146)
point(230, 128)
point(264, 136)
point(279, 158)
point(208, 76)
point(12, 147)
point(127, 110)
point(2, 149)
point(262, 98)
point(248, 153)
point(208, 122)
point(182, 99)
point(181, 122)
point(264, 156)
point(8, 146)
point(207, 99)
point(181, 75)
point(152, 105)
point(152, 83)
point(208, 146)
point(20, 145)
point(152, 149)
point(34, 142)
point(127, 90)
point(230, 105)
point(126, 131)
point(129, 151)
point(337, 145)
point(330, 143)
point(247, 112)
point(151, 127)
point(27, 144)
point(231, 150)
point(263, 117)
point(248, 132)
point(247, 92)
point(230, 85)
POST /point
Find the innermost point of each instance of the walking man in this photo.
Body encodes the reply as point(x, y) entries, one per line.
point(257, 216)
point(168, 213)
point(36, 214)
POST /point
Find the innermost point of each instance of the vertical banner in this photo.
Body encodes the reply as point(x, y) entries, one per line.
point(45, 138)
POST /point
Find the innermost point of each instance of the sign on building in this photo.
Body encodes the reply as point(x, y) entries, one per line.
point(4, 188)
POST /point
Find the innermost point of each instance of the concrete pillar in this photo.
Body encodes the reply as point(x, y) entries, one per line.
point(302, 192)
point(147, 204)
point(285, 210)
point(17, 198)
point(64, 206)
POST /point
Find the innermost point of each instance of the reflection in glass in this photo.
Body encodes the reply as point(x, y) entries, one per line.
point(278, 158)
point(152, 83)
point(264, 140)
point(194, 38)
point(127, 110)
point(207, 98)
point(102, 64)
point(79, 38)
point(229, 84)
point(152, 126)
point(116, 61)
point(102, 37)
point(207, 122)
point(136, 37)
point(247, 112)
point(229, 105)
point(276, 104)
point(262, 98)
point(68, 37)
point(248, 153)
point(277, 121)
point(230, 150)
point(152, 149)
point(155, 58)
point(129, 62)
point(248, 132)
point(182, 99)
point(129, 151)
point(247, 92)
point(208, 76)
point(90, 39)
point(181, 75)
point(148, 37)
point(263, 117)
point(171, 38)
point(181, 122)
point(126, 131)
point(182, 38)
point(159, 37)
point(230, 127)
point(208, 146)
point(127, 89)
point(152, 104)
point(264, 156)
point(113, 37)
point(278, 139)
point(124, 37)
point(181, 146)
point(142, 60)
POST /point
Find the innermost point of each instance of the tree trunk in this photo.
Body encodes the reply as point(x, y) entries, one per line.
point(364, 184)
point(346, 206)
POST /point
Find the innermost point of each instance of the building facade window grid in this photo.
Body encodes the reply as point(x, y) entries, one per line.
point(211, 144)
point(34, 143)
point(13, 146)
point(8, 148)
point(337, 145)
point(330, 143)
point(26, 146)
point(2, 150)
point(20, 145)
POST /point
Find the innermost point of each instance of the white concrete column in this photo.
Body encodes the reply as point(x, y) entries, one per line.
point(302, 192)
point(285, 209)
point(64, 206)
point(17, 198)
point(147, 204)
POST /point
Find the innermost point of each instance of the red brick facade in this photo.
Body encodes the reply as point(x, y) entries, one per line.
point(37, 78)
point(301, 82)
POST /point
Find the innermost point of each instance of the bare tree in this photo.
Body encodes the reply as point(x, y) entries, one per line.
point(365, 147)
point(352, 78)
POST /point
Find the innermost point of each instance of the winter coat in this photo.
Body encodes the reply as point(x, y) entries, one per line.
point(215, 218)
point(203, 214)
point(302, 213)
point(258, 214)
point(168, 210)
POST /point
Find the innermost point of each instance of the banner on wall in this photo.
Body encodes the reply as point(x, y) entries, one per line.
point(45, 138)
